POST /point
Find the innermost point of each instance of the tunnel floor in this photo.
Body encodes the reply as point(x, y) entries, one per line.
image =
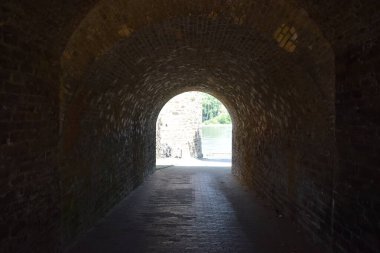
point(193, 209)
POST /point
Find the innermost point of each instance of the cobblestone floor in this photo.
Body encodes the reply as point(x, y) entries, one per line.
point(193, 209)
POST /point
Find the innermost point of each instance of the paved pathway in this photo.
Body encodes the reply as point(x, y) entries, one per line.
point(193, 209)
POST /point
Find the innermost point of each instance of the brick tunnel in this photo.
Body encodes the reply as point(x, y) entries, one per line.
point(83, 82)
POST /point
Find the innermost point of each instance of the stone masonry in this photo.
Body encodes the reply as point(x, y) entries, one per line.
point(82, 83)
point(178, 131)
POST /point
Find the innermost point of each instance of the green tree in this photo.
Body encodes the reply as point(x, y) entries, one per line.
point(210, 107)
point(213, 111)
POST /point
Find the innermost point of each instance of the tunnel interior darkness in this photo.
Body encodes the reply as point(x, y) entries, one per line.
point(114, 87)
point(86, 80)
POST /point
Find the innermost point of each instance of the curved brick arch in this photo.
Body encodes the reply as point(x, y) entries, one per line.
point(136, 59)
point(277, 105)
point(218, 95)
point(121, 64)
point(107, 23)
point(47, 45)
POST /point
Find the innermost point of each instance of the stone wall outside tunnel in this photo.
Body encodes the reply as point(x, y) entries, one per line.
point(178, 131)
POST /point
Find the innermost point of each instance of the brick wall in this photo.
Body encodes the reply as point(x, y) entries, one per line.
point(82, 84)
point(284, 119)
point(29, 188)
point(357, 201)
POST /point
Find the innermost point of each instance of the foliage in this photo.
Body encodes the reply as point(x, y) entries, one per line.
point(213, 111)
point(222, 118)
point(210, 107)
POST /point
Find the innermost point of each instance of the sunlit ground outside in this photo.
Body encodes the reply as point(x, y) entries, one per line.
point(193, 162)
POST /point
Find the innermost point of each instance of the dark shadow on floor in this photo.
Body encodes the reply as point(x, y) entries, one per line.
point(193, 209)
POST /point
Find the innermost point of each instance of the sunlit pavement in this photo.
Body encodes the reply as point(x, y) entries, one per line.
point(193, 209)
point(204, 162)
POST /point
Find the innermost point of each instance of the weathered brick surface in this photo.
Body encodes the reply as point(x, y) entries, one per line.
point(29, 195)
point(88, 78)
point(193, 209)
point(358, 118)
point(273, 111)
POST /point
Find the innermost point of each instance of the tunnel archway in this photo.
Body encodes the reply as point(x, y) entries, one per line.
point(194, 129)
point(275, 76)
point(80, 79)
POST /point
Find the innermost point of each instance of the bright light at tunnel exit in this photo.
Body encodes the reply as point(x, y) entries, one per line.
point(194, 129)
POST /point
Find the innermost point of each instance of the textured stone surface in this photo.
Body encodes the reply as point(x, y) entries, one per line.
point(358, 139)
point(82, 82)
point(193, 209)
point(178, 127)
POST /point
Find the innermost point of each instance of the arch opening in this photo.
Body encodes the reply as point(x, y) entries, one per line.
point(119, 61)
point(194, 128)
point(281, 98)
